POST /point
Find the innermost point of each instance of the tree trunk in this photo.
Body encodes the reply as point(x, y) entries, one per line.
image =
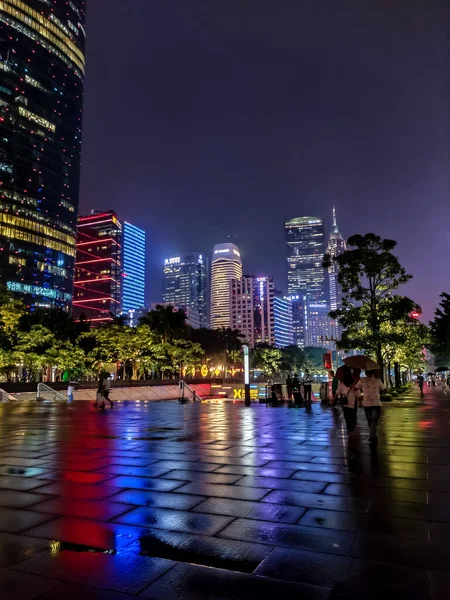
point(398, 380)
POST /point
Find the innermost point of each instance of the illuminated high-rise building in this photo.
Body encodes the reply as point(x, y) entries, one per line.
point(185, 286)
point(336, 247)
point(98, 268)
point(318, 325)
point(226, 265)
point(41, 97)
point(298, 319)
point(133, 263)
point(283, 320)
point(305, 240)
point(252, 309)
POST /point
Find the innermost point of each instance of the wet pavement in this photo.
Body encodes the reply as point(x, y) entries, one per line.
point(220, 501)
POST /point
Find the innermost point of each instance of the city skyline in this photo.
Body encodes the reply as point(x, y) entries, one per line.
point(278, 127)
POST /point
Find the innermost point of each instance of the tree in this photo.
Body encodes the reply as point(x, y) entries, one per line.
point(440, 332)
point(314, 359)
point(369, 273)
point(293, 359)
point(268, 359)
point(166, 322)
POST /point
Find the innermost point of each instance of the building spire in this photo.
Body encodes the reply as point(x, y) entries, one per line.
point(335, 227)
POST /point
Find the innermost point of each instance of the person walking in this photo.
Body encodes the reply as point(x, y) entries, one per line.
point(347, 395)
point(371, 388)
point(289, 387)
point(296, 389)
point(70, 390)
point(99, 393)
point(420, 380)
point(105, 392)
point(307, 381)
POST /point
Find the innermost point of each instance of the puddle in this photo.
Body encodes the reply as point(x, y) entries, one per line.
point(163, 429)
point(150, 438)
point(196, 551)
point(57, 547)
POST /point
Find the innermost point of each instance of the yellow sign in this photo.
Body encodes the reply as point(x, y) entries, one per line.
point(204, 371)
point(239, 393)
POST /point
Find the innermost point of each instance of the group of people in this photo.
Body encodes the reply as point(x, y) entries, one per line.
point(299, 389)
point(349, 390)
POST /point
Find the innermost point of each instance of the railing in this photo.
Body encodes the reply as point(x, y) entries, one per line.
point(5, 397)
point(43, 388)
point(184, 387)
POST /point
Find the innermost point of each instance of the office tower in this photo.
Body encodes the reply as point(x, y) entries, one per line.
point(185, 286)
point(133, 262)
point(283, 320)
point(318, 325)
point(98, 268)
point(226, 265)
point(41, 97)
point(252, 309)
point(336, 247)
point(306, 249)
point(298, 319)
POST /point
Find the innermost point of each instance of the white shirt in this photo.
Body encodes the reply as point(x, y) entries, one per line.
point(350, 392)
point(70, 391)
point(370, 388)
point(307, 379)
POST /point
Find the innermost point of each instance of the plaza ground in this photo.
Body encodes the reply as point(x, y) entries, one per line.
point(220, 501)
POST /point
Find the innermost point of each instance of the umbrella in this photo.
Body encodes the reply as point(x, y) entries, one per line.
point(362, 362)
point(441, 369)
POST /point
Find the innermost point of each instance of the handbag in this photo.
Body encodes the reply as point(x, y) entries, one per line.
point(342, 399)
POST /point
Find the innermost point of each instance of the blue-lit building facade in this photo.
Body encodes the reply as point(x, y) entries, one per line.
point(133, 264)
point(185, 286)
point(42, 69)
point(282, 317)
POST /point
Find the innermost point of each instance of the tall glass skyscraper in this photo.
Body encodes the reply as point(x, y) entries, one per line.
point(336, 247)
point(41, 97)
point(98, 268)
point(226, 265)
point(283, 321)
point(185, 286)
point(133, 262)
point(305, 238)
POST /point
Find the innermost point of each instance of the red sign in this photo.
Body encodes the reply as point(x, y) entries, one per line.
point(327, 361)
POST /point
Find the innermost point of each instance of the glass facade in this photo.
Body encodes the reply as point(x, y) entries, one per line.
point(185, 286)
point(252, 309)
point(318, 325)
point(41, 96)
point(305, 240)
point(226, 265)
point(98, 268)
point(283, 324)
point(133, 261)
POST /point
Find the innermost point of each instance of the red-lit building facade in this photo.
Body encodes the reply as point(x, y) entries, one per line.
point(98, 268)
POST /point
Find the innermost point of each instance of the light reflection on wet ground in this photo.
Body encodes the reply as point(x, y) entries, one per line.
point(218, 500)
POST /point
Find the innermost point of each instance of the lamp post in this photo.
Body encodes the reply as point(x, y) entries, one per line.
point(247, 375)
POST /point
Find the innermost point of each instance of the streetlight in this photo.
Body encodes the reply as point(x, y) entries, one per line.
point(247, 375)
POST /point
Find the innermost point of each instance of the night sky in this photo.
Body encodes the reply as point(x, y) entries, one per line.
point(206, 119)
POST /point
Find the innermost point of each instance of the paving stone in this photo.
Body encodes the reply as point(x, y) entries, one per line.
point(250, 510)
point(318, 501)
point(313, 487)
point(290, 536)
point(15, 521)
point(76, 476)
point(22, 484)
point(439, 585)
point(123, 572)
point(185, 581)
point(14, 549)
point(175, 520)
point(92, 534)
point(87, 509)
point(77, 490)
point(157, 499)
point(22, 586)
point(223, 491)
point(142, 483)
point(73, 591)
point(135, 471)
point(220, 478)
point(180, 465)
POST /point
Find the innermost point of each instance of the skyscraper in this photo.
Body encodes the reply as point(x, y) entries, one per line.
point(41, 97)
point(336, 247)
point(305, 240)
point(185, 286)
point(252, 309)
point(283, 323)
point(133, 261)
point(298, 319)
point(98, 268)
point(318, 325)
point(226, 265)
